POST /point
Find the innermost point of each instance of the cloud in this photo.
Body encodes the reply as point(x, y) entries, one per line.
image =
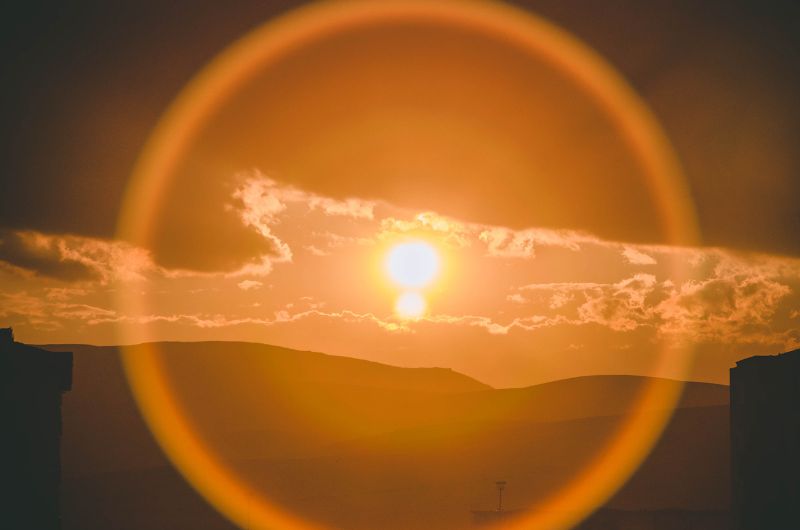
point(238, 224)
point(637, 257)
point(258, 207)
point(213, 321)
point(453, 233)
point(355, 208)
point(619, 306)
point(270, 211)
point(494, 327)
point(315, 251)
point(740, 300)
point(333, 240)
point(246, 285)
point(507, 243)
point(75, 258)
point(560, 299)
point(274, 197)
point(49, 314)
point(39, 255)
point(734, 305)
point(731, 298)
point(244, 225)
point(88, 261)
point(65, 293)
point(262, 203)
point(516, 298)
point(261, 266)
point(499, 241)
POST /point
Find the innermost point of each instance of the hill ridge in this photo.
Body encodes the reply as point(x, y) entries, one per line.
point(444, 369)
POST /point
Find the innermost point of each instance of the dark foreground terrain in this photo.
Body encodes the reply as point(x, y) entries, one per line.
point(356, 444)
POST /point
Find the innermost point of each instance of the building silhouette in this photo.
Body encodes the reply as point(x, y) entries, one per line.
point(32, 381)
point(765, 442)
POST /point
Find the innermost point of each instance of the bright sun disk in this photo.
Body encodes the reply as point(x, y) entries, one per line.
point(413, 264)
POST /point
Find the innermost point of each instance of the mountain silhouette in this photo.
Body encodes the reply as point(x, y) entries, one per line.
point(357, 444)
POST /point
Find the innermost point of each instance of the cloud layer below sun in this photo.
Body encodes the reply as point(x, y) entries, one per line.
point(513, 306)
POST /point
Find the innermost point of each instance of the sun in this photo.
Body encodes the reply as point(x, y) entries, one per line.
point(413, 264)
point(410, 305)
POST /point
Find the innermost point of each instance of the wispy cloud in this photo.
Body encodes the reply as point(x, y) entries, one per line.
point(451, 232)
point(507, 243)
point(637, 257)
point(724, 298)
point(737, 302)
point(75, 258)
point(258, 207)
point(266, 198)
point(620, 306)
point(246, 285)
point(516, 298)
point(213, 321)
point(498, 241)
point(316, 251)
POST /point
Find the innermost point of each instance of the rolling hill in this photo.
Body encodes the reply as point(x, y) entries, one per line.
point(357, 444)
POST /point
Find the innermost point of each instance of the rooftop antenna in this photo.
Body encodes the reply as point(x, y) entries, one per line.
point(501, 485)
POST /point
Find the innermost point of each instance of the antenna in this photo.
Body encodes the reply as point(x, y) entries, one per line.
point(501, 485)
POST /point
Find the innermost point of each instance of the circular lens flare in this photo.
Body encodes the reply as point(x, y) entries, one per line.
point(413, 264)
point(410, 305)
point(168, 417)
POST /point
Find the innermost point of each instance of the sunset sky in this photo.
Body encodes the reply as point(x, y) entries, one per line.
point(276, 221)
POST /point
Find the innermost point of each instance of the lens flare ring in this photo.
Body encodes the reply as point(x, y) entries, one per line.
point(185, 447)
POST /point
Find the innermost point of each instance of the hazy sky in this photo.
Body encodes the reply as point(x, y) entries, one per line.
point(510, 307)
point(276, 222)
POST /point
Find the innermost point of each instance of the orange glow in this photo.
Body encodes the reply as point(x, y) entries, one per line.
point(410, 304)
point(181, 133)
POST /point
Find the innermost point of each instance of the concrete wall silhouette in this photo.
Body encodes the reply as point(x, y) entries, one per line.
point(765, 442)
point(32, 381)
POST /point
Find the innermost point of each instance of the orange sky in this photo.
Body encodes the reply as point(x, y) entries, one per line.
point(511, 307)
point(283, 201)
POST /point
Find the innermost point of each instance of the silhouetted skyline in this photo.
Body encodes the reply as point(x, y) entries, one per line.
point(32, 382)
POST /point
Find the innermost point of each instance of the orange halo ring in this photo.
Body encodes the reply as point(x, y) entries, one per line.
point(246, 506)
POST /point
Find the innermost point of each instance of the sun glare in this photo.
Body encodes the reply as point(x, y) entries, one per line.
point(413, 264)
point(534, 85)
point(410, 305)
